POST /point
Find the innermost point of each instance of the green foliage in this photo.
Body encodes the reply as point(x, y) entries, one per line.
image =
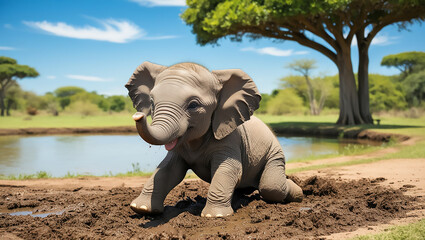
point(215, 19)
point(265, 98)
point(117, 103)
point(84, 108)
point(68, 91)
point(326, 87)
point(414, 88)
point(285, 102)
point(7, 60)
point(384, 94)
point(332, 85)
point(10, 72)
point(406, 62)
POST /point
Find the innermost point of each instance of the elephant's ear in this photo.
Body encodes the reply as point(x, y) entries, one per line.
point(140, 85)
point(237, 101)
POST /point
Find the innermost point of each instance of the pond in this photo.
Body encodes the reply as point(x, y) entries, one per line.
point(111, 154)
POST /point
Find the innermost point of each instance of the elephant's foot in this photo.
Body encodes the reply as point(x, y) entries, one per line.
point(216, 211)
point(142, 205)
point(295, 193)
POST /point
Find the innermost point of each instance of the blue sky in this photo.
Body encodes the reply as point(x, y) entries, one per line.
point(97, 44)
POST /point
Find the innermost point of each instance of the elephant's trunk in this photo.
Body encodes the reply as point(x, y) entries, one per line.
point(166, 127)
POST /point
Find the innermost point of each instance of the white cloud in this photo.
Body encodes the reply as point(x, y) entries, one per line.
point(51, 77)
point(274, 51)
point(379, 40)
point(113, 30)
point(163, 3)
point(87, 78)
point(7, 25)
point(7, 48)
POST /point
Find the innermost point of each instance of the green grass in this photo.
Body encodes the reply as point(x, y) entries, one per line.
point(38, 175)
point(413, 231)
point(136, 172)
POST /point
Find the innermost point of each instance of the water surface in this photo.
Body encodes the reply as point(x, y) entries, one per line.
point(112, 154)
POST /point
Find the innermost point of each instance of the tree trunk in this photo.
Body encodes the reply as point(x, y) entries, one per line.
point(363, 80)
point(349, 113)
point(311, 97)
point(9, 104)
point(2, 95)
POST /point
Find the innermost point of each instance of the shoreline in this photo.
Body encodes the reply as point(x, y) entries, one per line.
point(329, 132)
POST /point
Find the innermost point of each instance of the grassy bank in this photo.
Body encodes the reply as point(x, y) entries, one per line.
point(411, 231)
point(66, 121)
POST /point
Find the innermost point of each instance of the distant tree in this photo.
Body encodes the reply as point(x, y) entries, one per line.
point(13, 95)
point(68, 91)
point(305, 66)
point(315, 92)
point(265, 98)
point(406, 62)
point(10, 72)
point(64, 94)
point(385, 94)
point(414, 88)
point(32, 102)
point(412, 77)
point(50, 103)
point(325, 26)
point(286, 101)
point(117, 103)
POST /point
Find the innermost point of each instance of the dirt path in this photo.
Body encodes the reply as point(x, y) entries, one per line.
point(339, 203)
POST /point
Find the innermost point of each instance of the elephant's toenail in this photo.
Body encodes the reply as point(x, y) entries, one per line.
point(219, 215)
point(208, 215)
point(133, 205)
point(144, 207)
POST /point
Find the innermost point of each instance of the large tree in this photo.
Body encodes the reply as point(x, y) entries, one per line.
point(10, 71)
point(335, 22)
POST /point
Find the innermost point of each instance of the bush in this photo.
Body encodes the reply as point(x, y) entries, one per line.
point(84, 108)
point(32, 111)
point(286, 101)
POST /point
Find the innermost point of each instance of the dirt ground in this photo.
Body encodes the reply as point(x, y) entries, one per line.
point(339, 203)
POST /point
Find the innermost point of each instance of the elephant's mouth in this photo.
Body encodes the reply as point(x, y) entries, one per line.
point(170, 146)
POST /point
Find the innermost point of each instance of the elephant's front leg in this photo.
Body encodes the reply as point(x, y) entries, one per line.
point(169, 173)
point(226, 174)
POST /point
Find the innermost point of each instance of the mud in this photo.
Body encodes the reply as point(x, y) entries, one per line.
point(330, 206)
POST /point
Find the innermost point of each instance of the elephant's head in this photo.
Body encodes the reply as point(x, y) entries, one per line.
point(186, 101)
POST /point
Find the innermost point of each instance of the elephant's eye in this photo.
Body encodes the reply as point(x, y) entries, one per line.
point(193, 105)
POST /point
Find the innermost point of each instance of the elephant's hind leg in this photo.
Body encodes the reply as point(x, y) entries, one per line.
point(275, 187)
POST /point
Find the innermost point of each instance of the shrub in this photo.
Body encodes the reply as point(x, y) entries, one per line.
point(286, 101)
point(84, 108)
point(32, 111)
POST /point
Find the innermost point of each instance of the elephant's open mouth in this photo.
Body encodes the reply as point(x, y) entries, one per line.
point(169, 146)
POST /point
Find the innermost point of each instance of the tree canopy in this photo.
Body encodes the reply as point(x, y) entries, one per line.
point(10, 71)
point(336, 22)
point(406, 62)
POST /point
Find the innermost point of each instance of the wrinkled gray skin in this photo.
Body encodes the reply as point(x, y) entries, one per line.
point(204, 120)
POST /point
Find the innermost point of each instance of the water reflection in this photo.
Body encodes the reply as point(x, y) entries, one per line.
point(104, 154)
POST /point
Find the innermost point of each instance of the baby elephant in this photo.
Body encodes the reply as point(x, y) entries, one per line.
point(205, 121)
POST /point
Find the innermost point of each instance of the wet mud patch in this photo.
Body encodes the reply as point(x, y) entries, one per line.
point(329, 206)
